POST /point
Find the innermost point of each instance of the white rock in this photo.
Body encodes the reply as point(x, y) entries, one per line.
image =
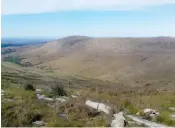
point(146, 122)
point(39, 123)
point(43, 97)
point(98, 106)
point(61, 99)
point(78, 93)
point(73, 96)
point(172, 108)
point(66, 98)
point(151, 112)
point(48, 99)
point(2, 92)
point(157, 113)
point(8, 100)
point(119, 120)
point(173, 116)
point(148, 110)
point(40, 96)
point(152, 115)
point(39, 90)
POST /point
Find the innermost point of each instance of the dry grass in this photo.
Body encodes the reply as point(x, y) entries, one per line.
point(127, 61)
point(75, 110)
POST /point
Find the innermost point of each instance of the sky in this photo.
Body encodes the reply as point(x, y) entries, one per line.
point(95, 18)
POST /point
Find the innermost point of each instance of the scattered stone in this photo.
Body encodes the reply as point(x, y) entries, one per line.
point(40, 96)
point(48, 99)
point(8, 100)
point(62, 99)
point(145, 122)
point(172, 108)
point(39, 90)
point(2, 92)
point(73, 96)
point(119, 120)
point(98, 106)
point(39, 123)
point(78, 94)
point(172, 116)
point(150, 112)
point(43, 97)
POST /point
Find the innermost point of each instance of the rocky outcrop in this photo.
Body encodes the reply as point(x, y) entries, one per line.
point(8, 100)
point(39, 123)
point(43, 97)
point(119, 120)
point(150, 112)
point(98, 106)
point(62, 99)
point(2, 92)
point(39, 90)
point(172, 108)
point(147, 123)
point(74, 96)
point(172, 116)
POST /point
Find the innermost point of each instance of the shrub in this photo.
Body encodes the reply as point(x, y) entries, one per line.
point(8, 115)
point(92, 89)
point(29, 87)
point(58, 90)
point(79, 115)
point(13, 59)
point(164, 118)
point(24, 110)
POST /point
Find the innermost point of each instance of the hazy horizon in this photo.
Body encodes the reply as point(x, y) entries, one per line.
point(18, 37)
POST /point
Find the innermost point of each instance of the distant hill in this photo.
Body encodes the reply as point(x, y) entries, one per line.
point(6, 42)
point(128, 61)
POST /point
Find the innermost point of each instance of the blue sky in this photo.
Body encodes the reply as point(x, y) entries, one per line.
point(55, 18)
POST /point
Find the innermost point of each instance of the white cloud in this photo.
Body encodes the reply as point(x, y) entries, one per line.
point(40, 6)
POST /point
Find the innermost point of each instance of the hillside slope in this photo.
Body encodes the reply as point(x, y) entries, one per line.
point(129, 61)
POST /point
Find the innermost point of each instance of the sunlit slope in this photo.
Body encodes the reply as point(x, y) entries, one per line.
point(130, 61)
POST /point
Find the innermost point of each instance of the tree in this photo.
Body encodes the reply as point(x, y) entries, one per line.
point(58, 90)
point(29, 87)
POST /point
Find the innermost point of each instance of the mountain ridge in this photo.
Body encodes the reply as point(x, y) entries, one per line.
point(134, 61)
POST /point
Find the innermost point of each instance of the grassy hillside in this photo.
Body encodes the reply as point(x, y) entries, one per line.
point(21, 107)
point(127, 61)
point(18, 74)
